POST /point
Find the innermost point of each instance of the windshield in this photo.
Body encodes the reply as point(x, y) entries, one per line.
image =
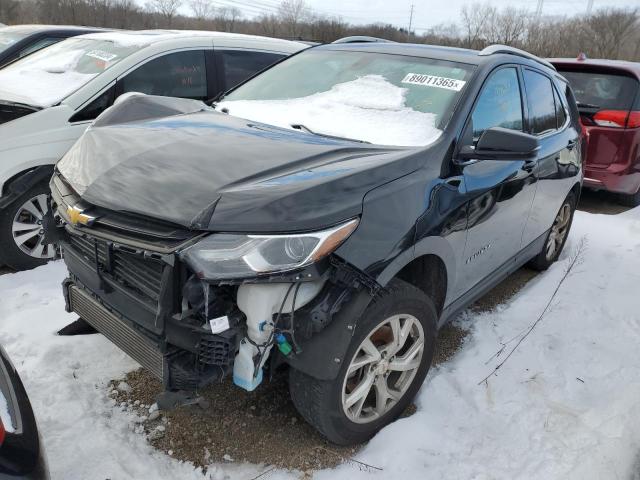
point(9, 38)
point(378, 98)
point(603, 90)
point(48, 76)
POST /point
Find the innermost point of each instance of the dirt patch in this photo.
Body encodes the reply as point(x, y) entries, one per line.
point(505, 290)
point(261, 427)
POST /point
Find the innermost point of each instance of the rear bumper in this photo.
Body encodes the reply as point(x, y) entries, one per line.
point(613, 180)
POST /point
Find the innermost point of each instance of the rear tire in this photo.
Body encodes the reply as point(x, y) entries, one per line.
point(21, 234)
point(557, 237)
point(399, 329)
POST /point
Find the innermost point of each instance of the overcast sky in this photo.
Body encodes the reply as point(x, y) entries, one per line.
point(427, 13)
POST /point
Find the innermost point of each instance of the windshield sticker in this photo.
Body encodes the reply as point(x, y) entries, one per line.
point(434, 81)
point(101, 55)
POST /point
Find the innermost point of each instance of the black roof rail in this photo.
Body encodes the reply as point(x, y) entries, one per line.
point(493, 49)
point(362, 39)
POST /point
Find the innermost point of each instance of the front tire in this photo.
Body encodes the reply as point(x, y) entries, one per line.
point(557, 237)
point(21, 230)
point(385, 365)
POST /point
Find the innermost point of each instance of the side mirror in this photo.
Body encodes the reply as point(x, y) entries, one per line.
point(499, 143)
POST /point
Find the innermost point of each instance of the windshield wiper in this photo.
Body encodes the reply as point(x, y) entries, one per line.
point(20, 105)
point(587, 105)
point(303, 128)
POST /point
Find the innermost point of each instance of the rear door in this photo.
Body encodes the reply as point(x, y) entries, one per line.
point(501, 191)
point(558, 161)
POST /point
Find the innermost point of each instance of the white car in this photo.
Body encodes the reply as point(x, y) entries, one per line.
point(49, 98)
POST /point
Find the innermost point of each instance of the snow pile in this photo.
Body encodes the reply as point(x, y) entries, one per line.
point(5, 418)
point(369, 108)
point(43, 80)
point(566, 405)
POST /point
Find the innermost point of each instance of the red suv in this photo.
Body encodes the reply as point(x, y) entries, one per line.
point(609, 104)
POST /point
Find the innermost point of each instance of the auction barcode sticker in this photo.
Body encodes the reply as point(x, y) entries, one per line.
point(101, 55)
point(434, 81)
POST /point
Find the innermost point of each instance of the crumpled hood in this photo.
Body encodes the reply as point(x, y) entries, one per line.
point(210, 171)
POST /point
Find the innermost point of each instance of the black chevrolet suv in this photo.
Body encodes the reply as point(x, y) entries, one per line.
point(328, 214)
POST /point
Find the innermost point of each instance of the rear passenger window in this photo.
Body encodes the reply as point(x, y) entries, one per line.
point(542, 110)
point(242, 64)
point(561, 114)
point(181, 74)
point(499, 103)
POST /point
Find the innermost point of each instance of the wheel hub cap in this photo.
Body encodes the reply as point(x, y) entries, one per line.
point(27, 228)
point(383, 368)
point(559, 231)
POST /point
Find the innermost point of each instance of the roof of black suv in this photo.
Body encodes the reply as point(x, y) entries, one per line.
point(492, 54)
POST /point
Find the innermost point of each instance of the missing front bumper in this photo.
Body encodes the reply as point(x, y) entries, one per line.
point(124, 337)
point(210, 360)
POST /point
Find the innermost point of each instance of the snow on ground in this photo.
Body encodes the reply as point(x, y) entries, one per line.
point(369, 108)
point(566, 405)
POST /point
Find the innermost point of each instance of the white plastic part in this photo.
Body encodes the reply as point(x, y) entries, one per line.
point(260, 302)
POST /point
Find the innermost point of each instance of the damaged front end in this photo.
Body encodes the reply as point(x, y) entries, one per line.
point(194, 308)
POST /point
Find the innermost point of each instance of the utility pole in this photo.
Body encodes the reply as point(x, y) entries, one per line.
point(410, 21)
point(589, 7)
point(539, 8)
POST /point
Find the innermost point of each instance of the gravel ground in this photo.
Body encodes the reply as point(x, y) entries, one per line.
point(261, 427)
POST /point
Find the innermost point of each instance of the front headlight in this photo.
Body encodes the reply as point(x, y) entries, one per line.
point(229, 255)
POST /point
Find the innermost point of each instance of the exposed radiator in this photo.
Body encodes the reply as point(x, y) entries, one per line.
point(126, 338)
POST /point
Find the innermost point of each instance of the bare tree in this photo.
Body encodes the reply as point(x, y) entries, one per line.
point(202, 9)
point(608, 33)
point(166, 8)
point(292, 14)
point(474, 19)
point(610, 29)
point(229, 16)
point(507, 27)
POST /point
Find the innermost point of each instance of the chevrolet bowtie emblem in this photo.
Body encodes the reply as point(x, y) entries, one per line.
point(76, 217)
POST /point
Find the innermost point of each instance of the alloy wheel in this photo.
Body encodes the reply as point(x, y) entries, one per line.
point(383, 368)
point(558, 232)
point(27, 229)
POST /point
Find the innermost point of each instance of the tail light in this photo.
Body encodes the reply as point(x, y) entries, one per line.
point(617, 118)
point(634, 120)
point(2, 433)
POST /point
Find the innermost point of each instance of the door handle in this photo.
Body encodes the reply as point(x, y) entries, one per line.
point(529, 165)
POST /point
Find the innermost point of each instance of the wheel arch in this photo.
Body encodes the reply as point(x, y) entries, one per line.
point(428, 273)
point(23, 181)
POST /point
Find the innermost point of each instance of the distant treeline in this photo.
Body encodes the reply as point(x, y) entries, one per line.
point(606, 33)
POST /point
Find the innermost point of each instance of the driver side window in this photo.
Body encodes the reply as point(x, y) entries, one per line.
point(499, 104)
